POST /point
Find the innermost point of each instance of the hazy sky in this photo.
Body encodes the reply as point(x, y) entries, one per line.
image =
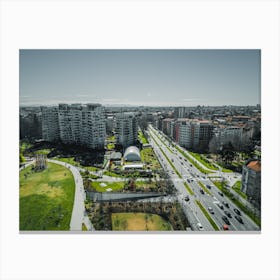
point(140, 77)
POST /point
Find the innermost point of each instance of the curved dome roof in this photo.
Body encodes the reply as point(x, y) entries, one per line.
point(132, 153)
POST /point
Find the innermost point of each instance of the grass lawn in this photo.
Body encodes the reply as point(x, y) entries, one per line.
point(148, 156)
point(115, 186)
point(203, 161)
point(139, 221)
point(46, 198)
point(69, 160)
point(142, 138)
point(237, 188)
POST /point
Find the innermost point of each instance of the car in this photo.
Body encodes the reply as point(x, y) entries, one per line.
point(226, 204)
point(220, 193)
point(210, 209)
point(187, 198)
point(200, 227)
point(225, 219)
point(228, 214)
point(237, 211)
point(238, 218)
point(221, 206)
point(225, 227)
point(188, 180)
point(208, 186)
point(202, 191)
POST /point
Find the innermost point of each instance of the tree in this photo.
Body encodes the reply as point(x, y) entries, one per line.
point(227, 153)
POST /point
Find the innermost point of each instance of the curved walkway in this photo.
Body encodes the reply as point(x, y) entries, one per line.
point(78, 213)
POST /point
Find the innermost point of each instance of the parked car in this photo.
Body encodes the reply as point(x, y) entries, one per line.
point(202, 191)
point(220, 193)
point(187, 198)
point(208, 186)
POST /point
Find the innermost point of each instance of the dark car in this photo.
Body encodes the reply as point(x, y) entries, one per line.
point(187, 198)
point(226, 204)
point(225, 219)
point(228, 214)
point(209, 187)
point(202, 191)
point(220, 193)
point(237, 211)
point(221, 206)
point(238, 219)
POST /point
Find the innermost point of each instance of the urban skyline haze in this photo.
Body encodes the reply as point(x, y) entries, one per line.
point(140, 77)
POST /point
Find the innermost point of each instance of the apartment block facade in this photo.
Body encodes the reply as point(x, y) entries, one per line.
point(50, 124)
point(251, 182)
point(75, 124)
point(126, 129)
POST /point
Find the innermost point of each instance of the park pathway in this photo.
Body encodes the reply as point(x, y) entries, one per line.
point(78, 216)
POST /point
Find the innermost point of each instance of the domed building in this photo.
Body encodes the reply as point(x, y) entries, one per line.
point(132, 153)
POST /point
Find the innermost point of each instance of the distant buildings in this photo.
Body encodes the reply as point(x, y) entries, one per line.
point(126, 129)
point(189, 133)
point(75, 124)
point(251, 182)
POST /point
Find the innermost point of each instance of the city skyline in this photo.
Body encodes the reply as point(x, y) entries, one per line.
point(140, 77)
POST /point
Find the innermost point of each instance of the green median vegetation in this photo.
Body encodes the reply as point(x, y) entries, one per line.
point(193, 162)
point(204, 188)
point(206, 214)
point(174, 168)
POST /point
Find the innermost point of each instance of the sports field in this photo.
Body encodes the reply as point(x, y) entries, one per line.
point(46, 198)
point(139, 222)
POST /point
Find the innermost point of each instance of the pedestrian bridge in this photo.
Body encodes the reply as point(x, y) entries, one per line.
point(98, 196)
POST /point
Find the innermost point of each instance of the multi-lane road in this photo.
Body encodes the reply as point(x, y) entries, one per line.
point(219, 204)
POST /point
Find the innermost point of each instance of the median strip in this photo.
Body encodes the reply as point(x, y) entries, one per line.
point(206, 214)
point(172, 165)
point(204, 188)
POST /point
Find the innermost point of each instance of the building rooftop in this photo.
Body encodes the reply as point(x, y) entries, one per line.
point(255, 165)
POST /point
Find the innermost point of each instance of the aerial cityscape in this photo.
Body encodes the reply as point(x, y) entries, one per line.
point(140, 140)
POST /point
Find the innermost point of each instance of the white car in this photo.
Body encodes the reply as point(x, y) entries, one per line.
point(200, 227)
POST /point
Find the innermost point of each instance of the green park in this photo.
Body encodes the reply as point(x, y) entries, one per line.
point(46, 198)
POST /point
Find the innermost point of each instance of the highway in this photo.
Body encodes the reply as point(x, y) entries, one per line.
point(192, 176)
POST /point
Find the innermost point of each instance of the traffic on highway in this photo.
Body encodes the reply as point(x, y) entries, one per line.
point(201, 199)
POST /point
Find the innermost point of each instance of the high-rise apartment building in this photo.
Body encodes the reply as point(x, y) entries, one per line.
point(70, 117)
point(93, 127)
point(50, 124)
point(75, 124)
point(195, 134)
point(126, 129)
